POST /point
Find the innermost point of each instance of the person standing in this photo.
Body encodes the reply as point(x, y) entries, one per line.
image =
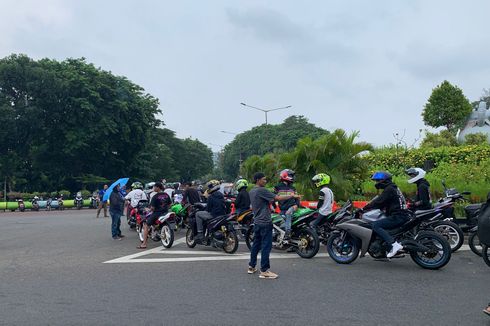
point(102, 203)
point(260, 199)
point(116, 210)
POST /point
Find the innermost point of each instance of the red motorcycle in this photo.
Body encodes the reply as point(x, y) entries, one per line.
point(162, 230)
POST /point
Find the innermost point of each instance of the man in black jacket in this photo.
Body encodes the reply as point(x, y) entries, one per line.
point(116, 210)
point(422, 200)
point(215, 207)
point(392, 201)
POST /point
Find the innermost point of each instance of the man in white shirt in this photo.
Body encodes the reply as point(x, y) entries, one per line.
point(134, 196)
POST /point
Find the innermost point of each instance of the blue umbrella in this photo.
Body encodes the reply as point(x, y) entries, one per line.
point(121, 182)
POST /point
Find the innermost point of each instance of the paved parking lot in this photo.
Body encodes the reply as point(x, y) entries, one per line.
point(63, 268)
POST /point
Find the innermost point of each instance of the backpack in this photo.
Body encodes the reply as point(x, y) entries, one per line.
point(484, 223)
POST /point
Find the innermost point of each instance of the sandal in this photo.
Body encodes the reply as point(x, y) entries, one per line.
point(141, 247)
point(487, 310)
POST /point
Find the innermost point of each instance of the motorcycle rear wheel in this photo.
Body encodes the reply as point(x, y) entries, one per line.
point(310, 243)
point(342, 251)
point(189, 239)
point(249, 237)
point(452, 232)
point(167, 236)
point(486, 254)
point(475, 244)
point(231, 242)
point(439, 248)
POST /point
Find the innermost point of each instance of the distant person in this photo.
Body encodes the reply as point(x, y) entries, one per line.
point(102, 203)
point(422, 200)
point(134, 197)
point(178, 193)
point(169, 190)
point(242, 202)
point(261, 198)
point(116, 210)
point(191, 194)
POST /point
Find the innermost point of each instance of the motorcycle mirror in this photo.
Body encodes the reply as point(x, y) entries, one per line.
point(466, 193)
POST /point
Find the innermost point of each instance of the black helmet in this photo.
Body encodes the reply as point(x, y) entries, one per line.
point(382, 179)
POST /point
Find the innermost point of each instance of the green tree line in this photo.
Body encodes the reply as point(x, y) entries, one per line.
point(67, 124)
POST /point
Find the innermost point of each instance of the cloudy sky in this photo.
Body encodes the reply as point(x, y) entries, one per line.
point(357, 65)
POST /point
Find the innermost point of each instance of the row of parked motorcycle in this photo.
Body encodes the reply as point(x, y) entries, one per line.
point(57, 203)
point(429, 237)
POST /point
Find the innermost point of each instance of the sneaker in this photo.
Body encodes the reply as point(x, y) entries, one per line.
point(199, 237)
point(395, 247)
point(251, 270)
point(121, 236)
point(116, 238)
point(268, 274)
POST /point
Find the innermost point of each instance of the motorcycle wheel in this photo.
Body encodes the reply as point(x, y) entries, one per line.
point(486, 254)
point(475, 244)
point(189, 239)
point(140, 232)
point(167, 236)
point(309, 243)
point(342, 251)
point(452, 232)
point(249, 237)
point(231, 242)
point(439, 254)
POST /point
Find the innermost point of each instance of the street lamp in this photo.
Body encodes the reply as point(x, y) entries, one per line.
point(265, 111)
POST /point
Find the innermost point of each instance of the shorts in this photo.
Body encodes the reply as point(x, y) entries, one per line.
point(151, 219)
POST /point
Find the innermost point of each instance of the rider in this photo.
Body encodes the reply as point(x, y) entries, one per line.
point(422, 200)
point(325, 197)
point(392, 201)
point(134, 196)
point(191, 194)
point(160, 202)
point(288, 206)
point(242, 202)
point(215, 207)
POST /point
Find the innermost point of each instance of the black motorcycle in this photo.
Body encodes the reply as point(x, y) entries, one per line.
point(304, 239)
point(427, 249)
point(218, 232)
point(325, 226)
point(78, 200)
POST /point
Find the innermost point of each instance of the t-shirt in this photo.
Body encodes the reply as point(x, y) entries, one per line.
point(191, 196)
point(160, 202)
point(284, 189)
point(326, 196)
point(260, 199)
point(101, 194)
point(169, 192)
point(135, 196)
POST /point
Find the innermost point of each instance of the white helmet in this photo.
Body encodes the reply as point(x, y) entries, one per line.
point(416, 174)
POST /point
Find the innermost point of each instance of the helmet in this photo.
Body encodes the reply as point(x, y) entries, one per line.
point(212, 186)
point(287, 175)
point(416, 174)
point(321, 179)
point(137, 185)
point(241, 183)
point(382, 179)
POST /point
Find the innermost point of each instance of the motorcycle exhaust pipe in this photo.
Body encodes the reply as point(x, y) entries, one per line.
point(412, 245)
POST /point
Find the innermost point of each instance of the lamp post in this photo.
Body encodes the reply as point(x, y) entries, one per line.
point(264, 110)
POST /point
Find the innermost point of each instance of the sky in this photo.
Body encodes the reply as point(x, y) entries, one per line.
point(366, 66)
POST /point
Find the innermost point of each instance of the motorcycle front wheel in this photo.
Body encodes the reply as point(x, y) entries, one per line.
point(486, 254)
point(342, 248)
point(189, 239)
point(439, 252)
point(167, 236)
point(452, 232)
point(139, 230)
point(475, 244)
point(309, 244)
point(231, 242)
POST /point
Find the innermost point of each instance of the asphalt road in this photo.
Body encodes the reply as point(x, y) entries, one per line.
point(54, 271)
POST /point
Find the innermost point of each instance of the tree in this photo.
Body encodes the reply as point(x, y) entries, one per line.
point(476, 139)
point(447, 107)
point(443, 138)
point(267, 139)
point(336, 154)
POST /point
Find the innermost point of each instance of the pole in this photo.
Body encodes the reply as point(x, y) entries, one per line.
point(5, 193)
point(265, 117)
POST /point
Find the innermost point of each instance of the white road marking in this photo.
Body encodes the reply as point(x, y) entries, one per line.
point(202, 255)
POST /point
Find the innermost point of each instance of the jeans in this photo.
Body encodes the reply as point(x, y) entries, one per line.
point(263, 243)
point(389, 223)
point(116, 224)
point(288, 214)
point(319, 220)
point(202, 216)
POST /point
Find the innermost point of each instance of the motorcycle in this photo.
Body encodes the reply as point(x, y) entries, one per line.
point(161, 230)
point(78, 200)
point(22, 205)
point(181, 215)
point(35, 203)
point(328, 222)
point(304, 240)
point(218, 232)
point(474, 242)
point(135, 216)
point(427, 249)
point(94, 201)
point(242, 222)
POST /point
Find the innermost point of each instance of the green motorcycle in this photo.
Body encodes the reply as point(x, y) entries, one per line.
point(304, 240)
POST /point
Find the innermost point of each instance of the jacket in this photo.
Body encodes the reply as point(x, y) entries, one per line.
point(116, 202)
point(422, 200)
point(216, 204)
point(391, 200)
point(242, 201)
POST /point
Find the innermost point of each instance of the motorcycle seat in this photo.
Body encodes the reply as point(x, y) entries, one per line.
point(473, 209)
